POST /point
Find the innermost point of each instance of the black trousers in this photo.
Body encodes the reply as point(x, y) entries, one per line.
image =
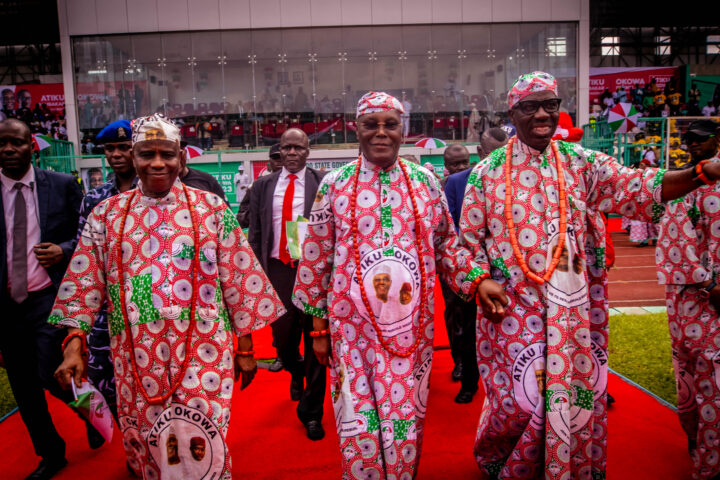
point(31, 350)
point(460, 318)
point(287, 332)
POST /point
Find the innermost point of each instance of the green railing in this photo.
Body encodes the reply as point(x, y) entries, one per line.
point(600, 136)
point(60, 156)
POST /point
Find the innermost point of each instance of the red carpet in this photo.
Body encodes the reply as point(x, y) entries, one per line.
point(268, 442)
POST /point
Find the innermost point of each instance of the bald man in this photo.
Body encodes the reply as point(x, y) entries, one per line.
point(274, 200)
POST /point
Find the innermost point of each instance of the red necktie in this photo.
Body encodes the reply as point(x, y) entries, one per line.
point(286, 217)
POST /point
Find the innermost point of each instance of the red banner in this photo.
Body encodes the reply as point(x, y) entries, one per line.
point(27, 96)
point(613, 78)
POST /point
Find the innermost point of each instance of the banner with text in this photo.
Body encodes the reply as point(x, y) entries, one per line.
point(613, 78)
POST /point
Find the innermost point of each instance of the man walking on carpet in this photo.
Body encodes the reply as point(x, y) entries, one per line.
point(378, 231)
point(179, 279)
point(276, 199)
point(531, 215)
point(688, 264)
point(40, 214)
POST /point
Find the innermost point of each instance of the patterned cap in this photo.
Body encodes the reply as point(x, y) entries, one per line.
point(154, 127)
point(119, 131)
point(531, 83)
point(373, 102)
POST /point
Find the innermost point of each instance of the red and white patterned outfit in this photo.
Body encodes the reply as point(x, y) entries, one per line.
point(379, 398)
point(688, 253)
point(185, 436)
point(544, 367)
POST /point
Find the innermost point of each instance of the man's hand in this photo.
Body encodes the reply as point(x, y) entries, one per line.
point(321, 347)
point(245, 366)
point(712, 170)
point(73, 365)
point(48, 254)
point(490, 296)
point(714, 298)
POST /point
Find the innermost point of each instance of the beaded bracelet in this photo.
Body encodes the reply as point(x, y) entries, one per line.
point(320, 333)
point(701, 175)
point(80, 335)
point(245, 353)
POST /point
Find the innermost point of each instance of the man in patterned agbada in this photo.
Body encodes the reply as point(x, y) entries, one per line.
point(379, 229)
point(544, 362)
point(180, 281)
point(688, 259)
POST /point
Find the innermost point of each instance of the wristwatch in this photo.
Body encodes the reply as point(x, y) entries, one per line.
point(705, 291)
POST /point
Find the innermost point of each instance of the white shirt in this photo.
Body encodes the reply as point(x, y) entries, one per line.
point(298, 205)
point(708, 111)
point(38, 277)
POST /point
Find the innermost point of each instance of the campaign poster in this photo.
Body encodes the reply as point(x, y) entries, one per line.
point(15, 97)
point(612, 78)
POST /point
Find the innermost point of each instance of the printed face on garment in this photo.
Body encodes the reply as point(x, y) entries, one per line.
point(15, 148)
point(380, 135)
point(535, 129)
point(381, 283)
point(294, 150)
point(157, 163)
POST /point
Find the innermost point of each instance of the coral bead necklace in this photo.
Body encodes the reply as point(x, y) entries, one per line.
point(159, 399)
point(358, 273)
point(562, 200)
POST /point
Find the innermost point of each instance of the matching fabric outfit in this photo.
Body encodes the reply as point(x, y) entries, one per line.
point(688, 254)
point(379, 398)
point(544, 367)
point(184, 437)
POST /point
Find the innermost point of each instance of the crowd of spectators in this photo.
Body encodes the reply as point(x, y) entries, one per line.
point(653, 101)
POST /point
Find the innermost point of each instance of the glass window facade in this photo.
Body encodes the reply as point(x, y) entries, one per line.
point(243, 88)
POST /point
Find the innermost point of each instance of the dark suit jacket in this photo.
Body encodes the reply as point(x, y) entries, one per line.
point(455, 193)
point(260, 234)
point(59, 198)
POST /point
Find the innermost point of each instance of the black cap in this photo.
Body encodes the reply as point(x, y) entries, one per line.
point(274, 150)
point(703, 128)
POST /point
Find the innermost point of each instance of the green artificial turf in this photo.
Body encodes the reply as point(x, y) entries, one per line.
point(640, 350)
point(7, 401)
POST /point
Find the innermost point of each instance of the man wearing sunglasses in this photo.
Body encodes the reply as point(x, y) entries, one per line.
point(116, 141)
point(688, 262)
point(544, 362)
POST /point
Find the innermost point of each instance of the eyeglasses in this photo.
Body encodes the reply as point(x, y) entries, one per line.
point(288, 148)
point(122, 147)
point(529, 107)
point(390, 126)
point(691, 137)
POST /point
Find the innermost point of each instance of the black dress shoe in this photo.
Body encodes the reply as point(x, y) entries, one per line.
point(95, 440)
point(457, 372)
point(276, 366)
point(314, 430)
point(47, 468)
point(296, 388)
point(464, 396)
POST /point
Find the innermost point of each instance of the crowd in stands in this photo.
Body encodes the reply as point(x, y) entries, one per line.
point(653, 101)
